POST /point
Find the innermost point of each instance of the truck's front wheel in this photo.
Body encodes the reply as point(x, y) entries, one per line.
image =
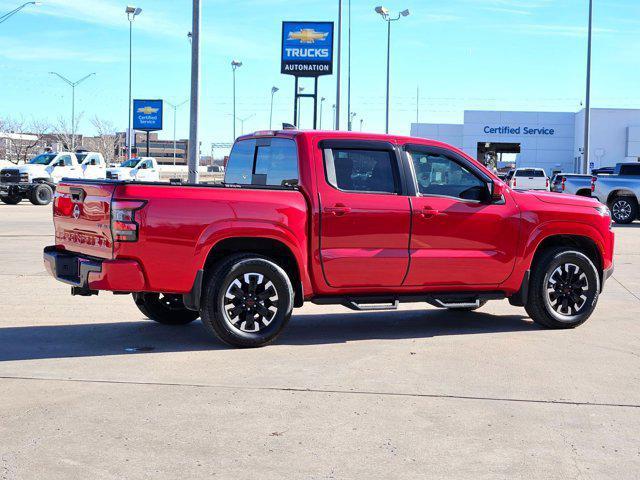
point(247, 300)
point(41, 194)
point(11, 199)
point(164, 308)
point(563, 290)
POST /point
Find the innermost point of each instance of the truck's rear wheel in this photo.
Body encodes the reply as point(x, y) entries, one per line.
point(624, 209)
point(164, 308)
point(563, 290)
point(41, 194)
point(247, 300)
point(11, 199)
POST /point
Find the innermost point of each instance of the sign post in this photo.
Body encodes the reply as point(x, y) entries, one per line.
point(147, 116)
point(307, 51)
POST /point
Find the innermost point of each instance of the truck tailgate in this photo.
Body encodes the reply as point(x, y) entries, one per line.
point(82, 218)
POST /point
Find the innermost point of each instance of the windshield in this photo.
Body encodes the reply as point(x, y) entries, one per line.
point(132, 162)
point(43, 159)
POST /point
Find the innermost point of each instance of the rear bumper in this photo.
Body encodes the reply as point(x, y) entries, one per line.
point(88, 274)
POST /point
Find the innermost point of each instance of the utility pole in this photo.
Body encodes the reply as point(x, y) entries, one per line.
point(337, 104)
point(418, 104)
point(587, 109)
point(349, 126)
point(195, 93)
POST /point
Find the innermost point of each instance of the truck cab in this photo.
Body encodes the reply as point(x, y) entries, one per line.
point(142, 169)
point(92, 164)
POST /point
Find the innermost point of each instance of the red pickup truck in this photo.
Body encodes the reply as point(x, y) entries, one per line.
point(362, 220)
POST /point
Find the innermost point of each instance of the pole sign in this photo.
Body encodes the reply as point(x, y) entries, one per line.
point(307, 49)
point(147, 115)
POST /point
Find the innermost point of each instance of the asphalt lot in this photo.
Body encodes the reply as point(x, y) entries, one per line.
point(91, 389)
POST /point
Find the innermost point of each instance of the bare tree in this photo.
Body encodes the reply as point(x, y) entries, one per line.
point(106, 141)
point(20, 139)
point(62, 133)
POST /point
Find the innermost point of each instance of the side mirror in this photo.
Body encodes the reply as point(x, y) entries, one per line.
point(498, 189)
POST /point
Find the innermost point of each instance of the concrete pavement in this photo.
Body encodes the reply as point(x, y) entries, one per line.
point(91, 389)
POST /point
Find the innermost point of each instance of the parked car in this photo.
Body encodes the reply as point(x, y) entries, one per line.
point(37, 179)
point(574, 183)
point(528, 179)
point(620, 191)
point(142, 169)
point(362, 220)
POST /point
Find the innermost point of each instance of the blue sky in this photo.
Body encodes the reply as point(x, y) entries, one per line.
point(463, 54)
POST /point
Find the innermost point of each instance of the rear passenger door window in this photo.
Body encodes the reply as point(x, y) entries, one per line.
point(365, 171)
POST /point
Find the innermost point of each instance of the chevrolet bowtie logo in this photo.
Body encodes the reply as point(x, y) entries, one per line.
point(147, 110)
point(307, 35)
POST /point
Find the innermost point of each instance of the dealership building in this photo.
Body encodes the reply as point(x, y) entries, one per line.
point(549, 140)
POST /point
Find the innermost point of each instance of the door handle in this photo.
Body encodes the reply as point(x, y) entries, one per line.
point(338, 209)
point(428, 212)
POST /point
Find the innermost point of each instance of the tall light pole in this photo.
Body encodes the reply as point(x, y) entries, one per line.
point(242, 120)
point(337, 104)
point(194, 144)
point(235, 64)
point(334, 113)
point(322, 100)
point(352, 115)
point(273, 92)
point(587, 107)
point(131, 12)
point(73, 86)
point(175, 111)
point(384, 13)
point(349, 67)
point(11, 13)
point(300, 90)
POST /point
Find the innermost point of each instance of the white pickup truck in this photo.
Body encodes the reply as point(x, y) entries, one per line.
point(142, 169)
point(37, 179)
point(528, 179)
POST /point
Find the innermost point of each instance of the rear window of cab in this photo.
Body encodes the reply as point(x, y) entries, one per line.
point(263, 161)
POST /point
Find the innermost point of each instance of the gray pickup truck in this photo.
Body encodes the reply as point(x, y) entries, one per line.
point(573, 183)
point(620, 191)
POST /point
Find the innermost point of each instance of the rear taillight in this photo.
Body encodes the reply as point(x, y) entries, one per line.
point(123, 220)
point(547, 184)
point(593, 183)
point(563, 186)
point(514, 183)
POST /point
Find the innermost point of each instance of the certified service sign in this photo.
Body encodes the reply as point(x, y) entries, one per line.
point(147, 115)
point(307, 48)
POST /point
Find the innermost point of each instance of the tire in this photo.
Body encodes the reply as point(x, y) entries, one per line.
point(41, 194)
point(624, 209)
point(11, 199)
point(467, 309)
point(268, 293)
point(164, 308)
point(553, 279)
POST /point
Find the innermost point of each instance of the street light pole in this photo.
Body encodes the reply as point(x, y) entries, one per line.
point(273, 91)
point(175, 111)
point(10, 14)
point(235, 64)
point(384, 12)
point(337, 104)
point(73, 86)
point(322, 100)
point(131, 12)
point(349, 68)
point(194, 145)
point(587, 109)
